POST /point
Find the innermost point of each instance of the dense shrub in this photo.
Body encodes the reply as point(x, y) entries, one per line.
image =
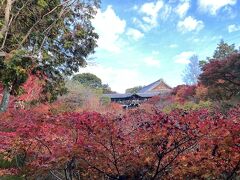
point(188, 106)
point(184, 92)
point(134, 145)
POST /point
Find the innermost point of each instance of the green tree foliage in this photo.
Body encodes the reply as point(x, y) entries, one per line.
point(92, 81)
point(134, 89)
point(192, 71)
point(88, 79)
point(223, 50)
point(47, 38)
point(107, 90)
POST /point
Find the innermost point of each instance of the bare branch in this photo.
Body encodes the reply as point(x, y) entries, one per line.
point(114, 154)
point(99, 170)
point(6, 33)
point(55, 175)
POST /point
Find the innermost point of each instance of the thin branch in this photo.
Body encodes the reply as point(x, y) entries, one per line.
point(38, 21)
point(6, 16)
point(6, 33)
point(160, 157)
point(16, 15)
point(55, 8)
point(29, 32)
point(114, 155)
point(99, 170)
point(46, 31)
point(173, 159)
point(39, 140)
point(231, 81)
point(55, 175)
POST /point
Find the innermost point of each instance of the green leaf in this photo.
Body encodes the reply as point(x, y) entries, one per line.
point(1, 23)
point(42, 3)
point(1, 36)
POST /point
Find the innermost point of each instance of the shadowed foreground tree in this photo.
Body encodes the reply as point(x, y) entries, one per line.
point(47, 38)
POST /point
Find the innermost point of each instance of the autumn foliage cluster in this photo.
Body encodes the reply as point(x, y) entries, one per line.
point(134, 145)
point(219, 80)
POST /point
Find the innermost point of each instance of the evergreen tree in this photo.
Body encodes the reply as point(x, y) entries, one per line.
point(46, 38)
point(88, 79)
point(223, 50)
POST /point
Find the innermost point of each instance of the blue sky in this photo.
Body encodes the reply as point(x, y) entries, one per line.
point(142, 41)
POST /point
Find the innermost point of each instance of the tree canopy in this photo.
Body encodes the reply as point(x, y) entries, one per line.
point(92, 81)
point(136, 145)
point(88, 79)
point(223, 50)
point(47, 38)
point(192, 71)
point(222, 76)
point(134, 89)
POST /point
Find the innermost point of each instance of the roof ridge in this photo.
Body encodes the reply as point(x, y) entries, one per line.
point(153, 85)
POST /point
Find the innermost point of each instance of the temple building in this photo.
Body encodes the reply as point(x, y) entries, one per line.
point(156, 88)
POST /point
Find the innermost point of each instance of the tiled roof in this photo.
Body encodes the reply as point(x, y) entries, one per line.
point(112, 96)
point(151, 86)
point(144, 95)
point(145, 92)
point(151, 94)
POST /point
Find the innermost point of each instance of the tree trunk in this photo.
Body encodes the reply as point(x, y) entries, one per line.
point(69, 170)
point(6, 16)
point(5, 99)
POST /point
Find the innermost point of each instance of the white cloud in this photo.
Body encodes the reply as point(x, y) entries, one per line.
point(166, 12)
point(233, 28)
point(183, 58)
point(151, 9)
point(135, 34)
point(229, 12)
point(109, 27)
point(150, 61)
point(118, 79)
point(213, 6)
point(173, 45)
point(150, 13)
point(190, 24)
point(144, 26)
point(183, 8)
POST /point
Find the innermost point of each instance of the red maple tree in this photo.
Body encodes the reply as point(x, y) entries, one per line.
point(134, 145)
